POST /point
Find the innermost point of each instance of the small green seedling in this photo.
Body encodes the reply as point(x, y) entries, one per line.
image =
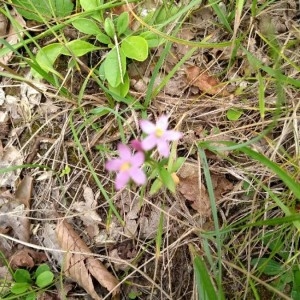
point(27, 284)
point(233, 114)
point(65, 171)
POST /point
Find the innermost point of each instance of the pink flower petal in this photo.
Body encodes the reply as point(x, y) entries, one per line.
point(149, 142)
point(113, 164)
point(124, 152)
point(163, 148)
point(137, 145)
point(172, 135)
point(122, 179)
point(162, 122)
point(137, 160)
point(138, 176)
point(147, 126)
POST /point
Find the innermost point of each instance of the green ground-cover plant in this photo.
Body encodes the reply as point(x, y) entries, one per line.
point(27, 285)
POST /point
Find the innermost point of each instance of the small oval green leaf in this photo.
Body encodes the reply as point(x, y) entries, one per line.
point(123, 88)
point(41, 268)
point(22, 275)
point(233, 114)
point(109, 27)
point(78, 48)
point(114, 67)
point(103, 38)
point(47, 56)
point(122, 22)
point(20, 288)
point(44, 279)
point(86, 26)
point(135, 47)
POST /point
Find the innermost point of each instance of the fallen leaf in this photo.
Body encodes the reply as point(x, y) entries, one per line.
point(88, 214)
point(5, 282)
point(26, 258)
point(10, 157)
point(80, 266)
point(193, 190)
point(14, 210)
point(205, 82)
point(13, 36)
point(24, 190)
point(221, 185)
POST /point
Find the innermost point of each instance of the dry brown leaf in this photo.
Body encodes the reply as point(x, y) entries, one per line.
point(205, 82)
point(80, 266)
point(5, 282)
point(26, 258)
point(11, 157)
point(88, 213)
point(3, 25)
point(14, 210)
point(13, 37)
point(23, 192)
point(192, 190)
point(221, 185)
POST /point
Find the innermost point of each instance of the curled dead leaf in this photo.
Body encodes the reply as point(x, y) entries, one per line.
point(80, 266)
point(193, 190)
point(205, 82)
point(26, 258)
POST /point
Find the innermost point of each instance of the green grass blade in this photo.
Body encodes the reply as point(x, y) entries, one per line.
point(222, 18)
point(213, 204)
point(283, 175)
point(206, 290)
point(261, 95)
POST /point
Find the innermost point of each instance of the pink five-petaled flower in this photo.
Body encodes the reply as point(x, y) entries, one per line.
point(158, 135)
point(127, 166)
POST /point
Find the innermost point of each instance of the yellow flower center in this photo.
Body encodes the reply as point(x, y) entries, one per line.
point(159, 132)
point(125, 166)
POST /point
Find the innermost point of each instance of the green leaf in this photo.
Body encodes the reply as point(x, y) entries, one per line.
point(233, 114)
point(156, 186)
point(123, 88)
point(78, 48)
point(31, 296)
point(267, 266)
point(90, 5)
point(167, 179)
point(47, 56)
point(40, 10)
point(20, 288)
point(22, 275)
point(114, 67)
point(122, 23)
point(135, 47)
point(86, 26)
point(153, 40)
point(177, 164)
point(41, 268)
point(109, 27)
point(203, 280)
point(103, 38)
point(44, 279)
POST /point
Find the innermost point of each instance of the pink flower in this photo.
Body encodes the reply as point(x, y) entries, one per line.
point(136, 145)
point(128, 166)
point(158, 135)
